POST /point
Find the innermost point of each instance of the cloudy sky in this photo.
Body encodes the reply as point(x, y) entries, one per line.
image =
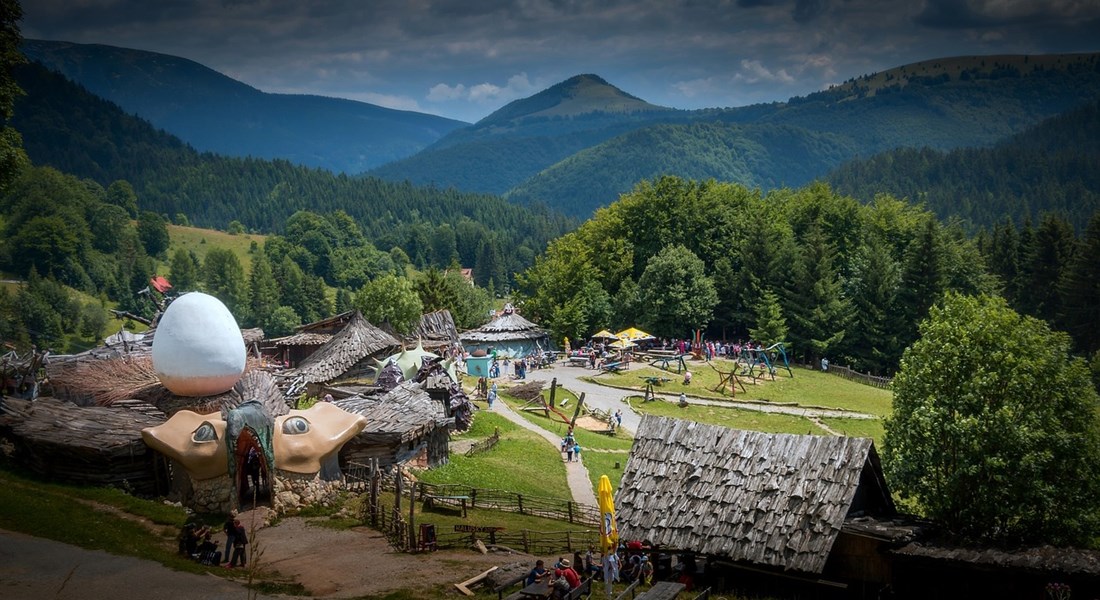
point(466, 58)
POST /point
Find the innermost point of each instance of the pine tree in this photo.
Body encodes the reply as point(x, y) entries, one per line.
point(771, 327)
point(871, 344)
point(1050, 255)
point(818, 308)
point(183, 271)
point(264, 292)
point(922, 281)
point(1080, 291)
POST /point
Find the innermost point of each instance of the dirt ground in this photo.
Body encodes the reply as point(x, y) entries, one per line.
point(359, 562)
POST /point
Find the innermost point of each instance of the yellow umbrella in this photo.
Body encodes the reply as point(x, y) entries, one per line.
point(621, 344)
point(603, 334)
point(633, 334)
point(609, 532)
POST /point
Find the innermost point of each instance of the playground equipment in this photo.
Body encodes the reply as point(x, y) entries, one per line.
point(728, 378)
point(650, 382)
point(762, 358)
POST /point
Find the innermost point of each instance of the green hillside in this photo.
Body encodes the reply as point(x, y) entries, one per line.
point(756, 156)
point(76, 132)
point(580, 162)
point(1050, 168)
point(215, 113)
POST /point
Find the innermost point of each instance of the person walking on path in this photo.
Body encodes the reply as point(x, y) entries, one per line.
point(569, 452)
point(577, 452)
point(492, 395)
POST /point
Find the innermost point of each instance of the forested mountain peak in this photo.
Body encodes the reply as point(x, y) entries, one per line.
point(216, 113)
point(963, 68)
point(164, 81)
point(576, 96)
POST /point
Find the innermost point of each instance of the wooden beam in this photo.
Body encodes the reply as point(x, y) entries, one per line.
point(464, 587)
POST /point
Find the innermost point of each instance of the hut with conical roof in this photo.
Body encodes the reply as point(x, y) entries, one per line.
point(349, 355)
point(509, 335)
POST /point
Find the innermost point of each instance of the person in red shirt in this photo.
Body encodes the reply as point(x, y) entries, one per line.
point(567, 572)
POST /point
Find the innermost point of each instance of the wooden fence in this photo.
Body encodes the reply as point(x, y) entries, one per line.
point(485, 444)
point(504, 501)
point(368, 480)
point(864, 378)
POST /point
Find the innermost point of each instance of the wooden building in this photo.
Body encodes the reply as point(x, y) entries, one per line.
point(95, 445)
point(404, 425)
point(761, 511)
point(349, 355)
point(509, 335)
point(292, 350)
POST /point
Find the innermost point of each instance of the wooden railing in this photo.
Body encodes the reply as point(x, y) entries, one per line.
point(514, 502)
point(864, 378)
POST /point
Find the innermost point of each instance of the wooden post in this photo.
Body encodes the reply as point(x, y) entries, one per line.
point(570, 506)
point(519, 500)
point(526, 546)
point(569, 540)
point(375, 486)
point(400, 485)
point(576, 413)
point(553, 390)
point(412, 517)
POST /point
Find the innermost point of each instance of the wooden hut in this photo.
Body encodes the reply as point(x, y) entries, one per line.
point(403, 425)
point(435, 332)
point(84, 445)
point(348, 355)
point(293, 349)
point(757, 504)
point(509, 334)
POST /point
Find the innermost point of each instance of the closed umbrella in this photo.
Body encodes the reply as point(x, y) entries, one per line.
point(609, 532)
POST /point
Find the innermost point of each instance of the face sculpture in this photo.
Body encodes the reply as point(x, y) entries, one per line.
point(299, 442)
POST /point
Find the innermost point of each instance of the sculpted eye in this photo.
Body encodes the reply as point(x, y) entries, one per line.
point(295, 426)
point(205, 433)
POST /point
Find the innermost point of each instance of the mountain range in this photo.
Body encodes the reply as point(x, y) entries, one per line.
point(579, 144)
point(213, 112)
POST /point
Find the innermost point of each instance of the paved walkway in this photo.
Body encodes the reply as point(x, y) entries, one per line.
point(580, 486)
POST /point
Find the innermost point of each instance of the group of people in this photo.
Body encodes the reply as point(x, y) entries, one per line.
point(196, 541)
point(632, 562)
point(570, 447)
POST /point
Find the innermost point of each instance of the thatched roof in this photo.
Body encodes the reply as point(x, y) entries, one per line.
point(506, 327)
point(305, 338)
point(1042, 559)
point(356, 341)
point(768, 499)
point(402, 414)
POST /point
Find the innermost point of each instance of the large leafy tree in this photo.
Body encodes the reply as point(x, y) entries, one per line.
point(677, 296)
point(153, 231)
point(994, 430)
point(392, 300)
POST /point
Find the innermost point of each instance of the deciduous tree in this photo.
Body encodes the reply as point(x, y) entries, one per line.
point(994, 431)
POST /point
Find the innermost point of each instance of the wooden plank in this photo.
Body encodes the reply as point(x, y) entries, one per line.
point(464, 587)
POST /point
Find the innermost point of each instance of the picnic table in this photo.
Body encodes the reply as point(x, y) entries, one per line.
point(615, 367)
point(578, 361)
point(663, 362)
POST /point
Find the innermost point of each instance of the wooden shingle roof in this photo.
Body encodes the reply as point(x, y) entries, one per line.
point(401, 414)
point(509, 326)
point(356, 341)
point(769, 499)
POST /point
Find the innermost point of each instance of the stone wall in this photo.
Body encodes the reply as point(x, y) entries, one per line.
point(213, 495)
point(294, 490)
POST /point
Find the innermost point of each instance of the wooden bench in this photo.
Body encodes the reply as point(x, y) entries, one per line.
point(578, 361)
point(500, 589)
point(663, 590)
point(615, 367)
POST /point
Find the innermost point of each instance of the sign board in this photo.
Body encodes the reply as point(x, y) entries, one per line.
point(477, 528)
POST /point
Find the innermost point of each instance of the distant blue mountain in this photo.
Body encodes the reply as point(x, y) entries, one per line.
point(213, 112)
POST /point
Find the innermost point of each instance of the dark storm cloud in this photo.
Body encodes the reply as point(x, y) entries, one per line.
point(465, 59)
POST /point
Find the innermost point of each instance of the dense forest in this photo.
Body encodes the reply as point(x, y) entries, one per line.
point(809, 266)
point(66, 127)
point(1051, 168)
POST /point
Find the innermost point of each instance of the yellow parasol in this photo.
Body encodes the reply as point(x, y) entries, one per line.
point(609, 532)
point(633, 334)
point(603, 334)
point(622, 344)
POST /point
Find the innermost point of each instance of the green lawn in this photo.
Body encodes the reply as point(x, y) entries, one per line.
point(806, 388)
point(858, 428)
point(521, 462)
point(729, 417)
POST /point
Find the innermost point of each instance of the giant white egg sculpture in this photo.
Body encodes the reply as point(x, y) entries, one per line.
point(198, 349)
